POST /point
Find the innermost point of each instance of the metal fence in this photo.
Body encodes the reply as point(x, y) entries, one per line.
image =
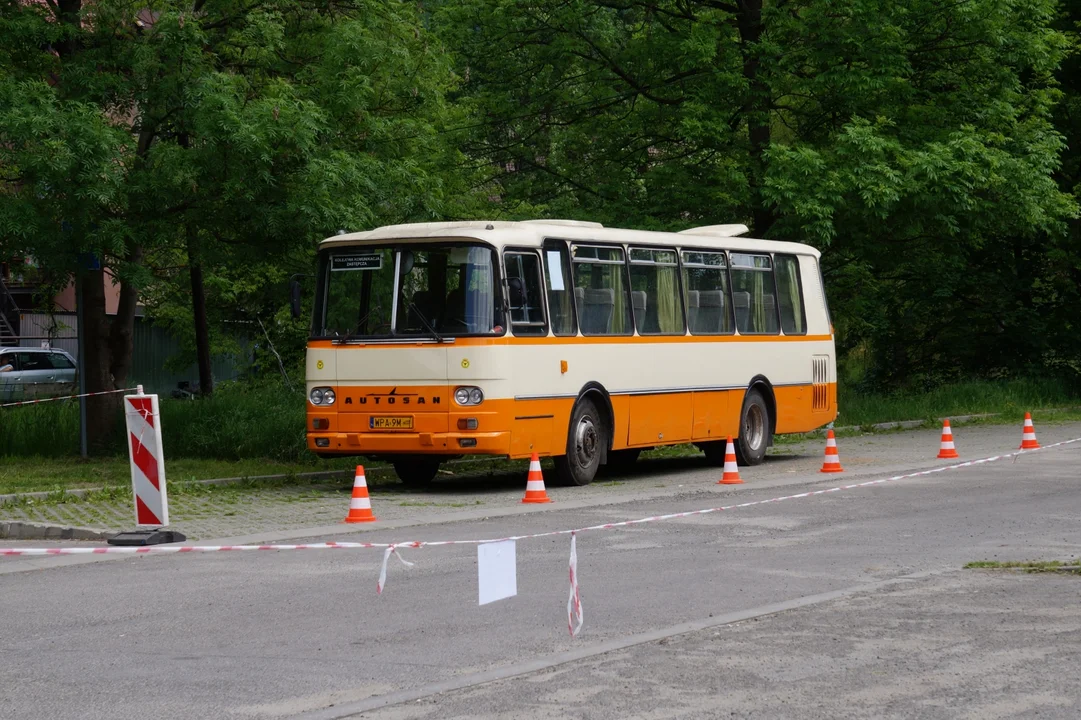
point(153, 346)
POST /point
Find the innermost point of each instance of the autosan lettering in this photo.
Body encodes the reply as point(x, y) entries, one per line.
point(396, 398)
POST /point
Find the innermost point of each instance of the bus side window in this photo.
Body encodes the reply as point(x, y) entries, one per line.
point(524, 293)
point(790, 295)
point(557, 270)
point(655, 292)
point(753, 294)
point(600, 290)
point(705, 282)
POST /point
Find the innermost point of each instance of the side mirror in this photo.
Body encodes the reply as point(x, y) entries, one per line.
point(294, 298)
point(517, 292)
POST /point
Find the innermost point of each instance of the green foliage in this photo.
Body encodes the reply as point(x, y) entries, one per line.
point(224, 133)
point(239, 421)
point(912, 142)
point(242, 421)
point(1009, 399)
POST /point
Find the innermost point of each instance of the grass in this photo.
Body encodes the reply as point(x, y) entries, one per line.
point(238, 422)
point(42, 473)
point(1010, 399)
point(1071, 567)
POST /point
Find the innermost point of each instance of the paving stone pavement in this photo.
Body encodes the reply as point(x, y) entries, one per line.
point(203, 512)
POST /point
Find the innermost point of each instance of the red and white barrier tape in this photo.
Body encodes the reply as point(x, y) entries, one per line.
point(66, 397)
point(574, 604)
point(170, 549)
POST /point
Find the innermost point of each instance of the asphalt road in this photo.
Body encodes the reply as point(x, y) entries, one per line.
point(849, 604)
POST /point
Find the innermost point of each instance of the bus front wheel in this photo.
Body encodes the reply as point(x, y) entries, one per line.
point(754, 429)
point(586, 442)
point(417, 471)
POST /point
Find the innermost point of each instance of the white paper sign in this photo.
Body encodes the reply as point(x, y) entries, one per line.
point(555, 270)
point(497, 571)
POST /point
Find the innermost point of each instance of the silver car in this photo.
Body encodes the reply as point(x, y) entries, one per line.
point(29, 373)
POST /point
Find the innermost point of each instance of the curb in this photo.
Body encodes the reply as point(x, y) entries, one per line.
point(22, 530)
point(82, 492)
point(910, 424)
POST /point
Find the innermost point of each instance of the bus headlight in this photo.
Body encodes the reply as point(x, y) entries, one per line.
point(468, 396)
point(322, 396)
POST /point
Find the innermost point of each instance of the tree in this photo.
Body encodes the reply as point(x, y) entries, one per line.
point(911, 141)
point(134, 135)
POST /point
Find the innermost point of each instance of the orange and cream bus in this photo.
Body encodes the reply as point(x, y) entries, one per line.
point(563, 338)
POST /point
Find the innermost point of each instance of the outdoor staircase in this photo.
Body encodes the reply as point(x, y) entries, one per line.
point(9, 317)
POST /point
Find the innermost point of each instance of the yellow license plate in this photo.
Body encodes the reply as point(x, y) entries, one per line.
point(390, 423)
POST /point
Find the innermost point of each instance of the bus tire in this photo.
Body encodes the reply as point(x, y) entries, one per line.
point(417, 471)
point(587, 440)
point(754, 429)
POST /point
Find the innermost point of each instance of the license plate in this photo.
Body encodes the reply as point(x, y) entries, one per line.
point(391, 423)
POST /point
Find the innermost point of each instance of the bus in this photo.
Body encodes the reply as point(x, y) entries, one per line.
point(567, 339)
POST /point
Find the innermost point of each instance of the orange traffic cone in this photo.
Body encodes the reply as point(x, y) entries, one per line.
point(534, 483)
point(832, 461)
point(731, 470)
point(1028, 435)
point(360, 506)
point(946, 450)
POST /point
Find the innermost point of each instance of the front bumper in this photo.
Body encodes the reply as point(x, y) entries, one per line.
point(399, 443)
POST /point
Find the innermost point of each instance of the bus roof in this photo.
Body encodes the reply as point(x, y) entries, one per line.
point(533, 233)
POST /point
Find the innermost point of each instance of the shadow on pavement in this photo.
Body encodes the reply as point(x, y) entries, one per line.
point(478, 479)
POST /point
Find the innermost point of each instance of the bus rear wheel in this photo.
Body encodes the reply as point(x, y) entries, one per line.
point(418, 471)
point(586, 442)
point(754, 429)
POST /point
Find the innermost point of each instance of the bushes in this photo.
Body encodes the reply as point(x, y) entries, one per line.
point(239, 421)
point(1011, 398)
point(47, 429)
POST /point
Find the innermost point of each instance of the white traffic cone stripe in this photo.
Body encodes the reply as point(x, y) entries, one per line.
point(947, 445)
point(534, 466)
point(360, 504)
point(534, 486)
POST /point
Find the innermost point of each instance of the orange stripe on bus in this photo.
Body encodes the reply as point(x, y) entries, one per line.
point(541, 425)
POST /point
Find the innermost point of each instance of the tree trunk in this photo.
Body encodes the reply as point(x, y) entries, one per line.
point(758, 106)
point(121, 333)
point(198, 307)
point(101, 410)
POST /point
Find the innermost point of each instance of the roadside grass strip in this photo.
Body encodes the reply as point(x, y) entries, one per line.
point(574, 606)
point(1071, 567)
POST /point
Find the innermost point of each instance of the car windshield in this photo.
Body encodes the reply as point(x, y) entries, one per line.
point(441, 289)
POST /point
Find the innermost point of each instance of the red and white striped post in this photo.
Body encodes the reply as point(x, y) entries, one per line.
point(147, 461)
point(143, 422)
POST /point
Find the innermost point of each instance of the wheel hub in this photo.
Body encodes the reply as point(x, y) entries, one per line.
point(585, 441)
point(754, 427)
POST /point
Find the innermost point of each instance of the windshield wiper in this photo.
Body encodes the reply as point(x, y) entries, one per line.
point(355, 332)
point(424, 320)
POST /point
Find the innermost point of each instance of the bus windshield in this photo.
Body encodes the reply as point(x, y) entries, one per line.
point(419, 290)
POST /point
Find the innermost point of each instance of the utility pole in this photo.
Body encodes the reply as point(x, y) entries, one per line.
point(81, 359)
